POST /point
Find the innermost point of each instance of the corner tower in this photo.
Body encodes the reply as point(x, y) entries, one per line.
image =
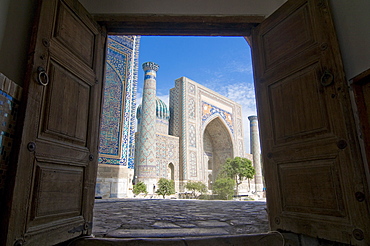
point(256, 152)
point(145, 164)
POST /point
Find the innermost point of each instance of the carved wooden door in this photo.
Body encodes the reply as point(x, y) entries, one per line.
point(55, 181)
point(313, 171)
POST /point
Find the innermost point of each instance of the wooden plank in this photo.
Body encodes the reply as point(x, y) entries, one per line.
point(179, 25)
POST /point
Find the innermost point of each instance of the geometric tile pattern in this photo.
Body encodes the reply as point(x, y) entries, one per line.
point(193, 164)
point(117, 130)
point(192, 136)
point(191, 108)
point(191, 89)
point(146, 147)
point(167, 151)
point(10, 94)
point(239, 127)
point(175, 112)
point(184, 127)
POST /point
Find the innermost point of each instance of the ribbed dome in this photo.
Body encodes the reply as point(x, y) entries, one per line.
point(162, 111)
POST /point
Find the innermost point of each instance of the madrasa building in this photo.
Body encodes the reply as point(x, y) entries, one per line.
point(188, 141)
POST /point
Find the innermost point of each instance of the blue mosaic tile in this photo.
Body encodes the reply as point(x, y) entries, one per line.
point(210, 110)
point(119, 104)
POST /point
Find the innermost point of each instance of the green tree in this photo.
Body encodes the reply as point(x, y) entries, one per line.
point(196, 186)
point(238, 169)
point(165, 187)
point(140, 187)
point(224, 188)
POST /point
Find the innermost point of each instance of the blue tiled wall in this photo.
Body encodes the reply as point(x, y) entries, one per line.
point(119, 104)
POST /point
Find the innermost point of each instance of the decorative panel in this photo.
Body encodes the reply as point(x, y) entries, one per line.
point(83, 44)
point(191, 108)
point(67, 120)
point(58, 190)
point(209, 110)
point(192, 136)
point(193, 164)
point(294, 33)
point(318, 180)
point(111, 127)
point(297, 95)
point(191, 88)
point(117, 133)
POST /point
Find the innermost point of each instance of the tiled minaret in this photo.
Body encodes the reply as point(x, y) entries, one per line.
point(146, 157)
point(256, 152)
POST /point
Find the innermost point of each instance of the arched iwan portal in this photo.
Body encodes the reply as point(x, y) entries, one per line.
point(217, 147)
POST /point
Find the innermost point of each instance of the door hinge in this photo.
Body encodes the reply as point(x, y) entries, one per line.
point(81, 228)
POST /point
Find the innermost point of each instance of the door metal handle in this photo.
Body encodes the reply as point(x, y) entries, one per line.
point(42, 76)
point(327, 78)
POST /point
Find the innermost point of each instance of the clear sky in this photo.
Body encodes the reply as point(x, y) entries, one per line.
point(222, 64)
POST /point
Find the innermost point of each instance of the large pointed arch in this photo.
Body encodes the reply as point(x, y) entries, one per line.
point(217, 146)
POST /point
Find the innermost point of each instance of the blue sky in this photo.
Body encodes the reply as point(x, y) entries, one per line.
point(222, 64)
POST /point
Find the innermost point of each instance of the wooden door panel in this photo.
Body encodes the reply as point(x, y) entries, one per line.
point(66, 112)
point(57, 192)
point(57, 162)
point(298, 94)
point(67, 25)
point(317, 179)
point(295, 33)
point(312, 164)
point(61, 153)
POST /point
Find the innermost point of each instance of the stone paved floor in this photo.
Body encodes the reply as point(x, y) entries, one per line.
point(177, 218)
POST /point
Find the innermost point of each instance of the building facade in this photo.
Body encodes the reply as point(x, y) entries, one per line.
point(201, 130)
point(117, 140)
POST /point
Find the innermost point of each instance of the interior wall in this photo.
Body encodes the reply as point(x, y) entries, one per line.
point(352, 19)
point(183, 7)
point(16, 20)
point(4, 5)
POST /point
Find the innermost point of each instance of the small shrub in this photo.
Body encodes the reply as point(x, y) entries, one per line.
point(138, 188)
point(224, 188)
point(165, 187)
point(196, 186)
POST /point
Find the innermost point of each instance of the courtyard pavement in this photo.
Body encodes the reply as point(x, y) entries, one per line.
point(132, 218)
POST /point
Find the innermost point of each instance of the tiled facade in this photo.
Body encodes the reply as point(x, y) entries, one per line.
point(117, 132)
point(193, 108)
point(188, 141)
point(204, 132)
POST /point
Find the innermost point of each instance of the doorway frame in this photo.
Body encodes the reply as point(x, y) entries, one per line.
point(178, 25)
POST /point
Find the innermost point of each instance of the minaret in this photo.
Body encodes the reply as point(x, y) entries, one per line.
point(145, 166)
point(256, 152)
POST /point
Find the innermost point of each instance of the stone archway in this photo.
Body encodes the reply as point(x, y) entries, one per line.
point(217, 146)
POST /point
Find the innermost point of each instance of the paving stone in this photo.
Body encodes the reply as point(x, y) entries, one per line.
point(163, 233)
point(186, 225)
point(164, 225)
point(172, 218)
point(212, 223)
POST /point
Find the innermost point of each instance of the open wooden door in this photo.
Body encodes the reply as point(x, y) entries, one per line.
point(313, 170)
point(54, 187)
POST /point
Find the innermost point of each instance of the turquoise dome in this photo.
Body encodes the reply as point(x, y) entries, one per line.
point(162, 111)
